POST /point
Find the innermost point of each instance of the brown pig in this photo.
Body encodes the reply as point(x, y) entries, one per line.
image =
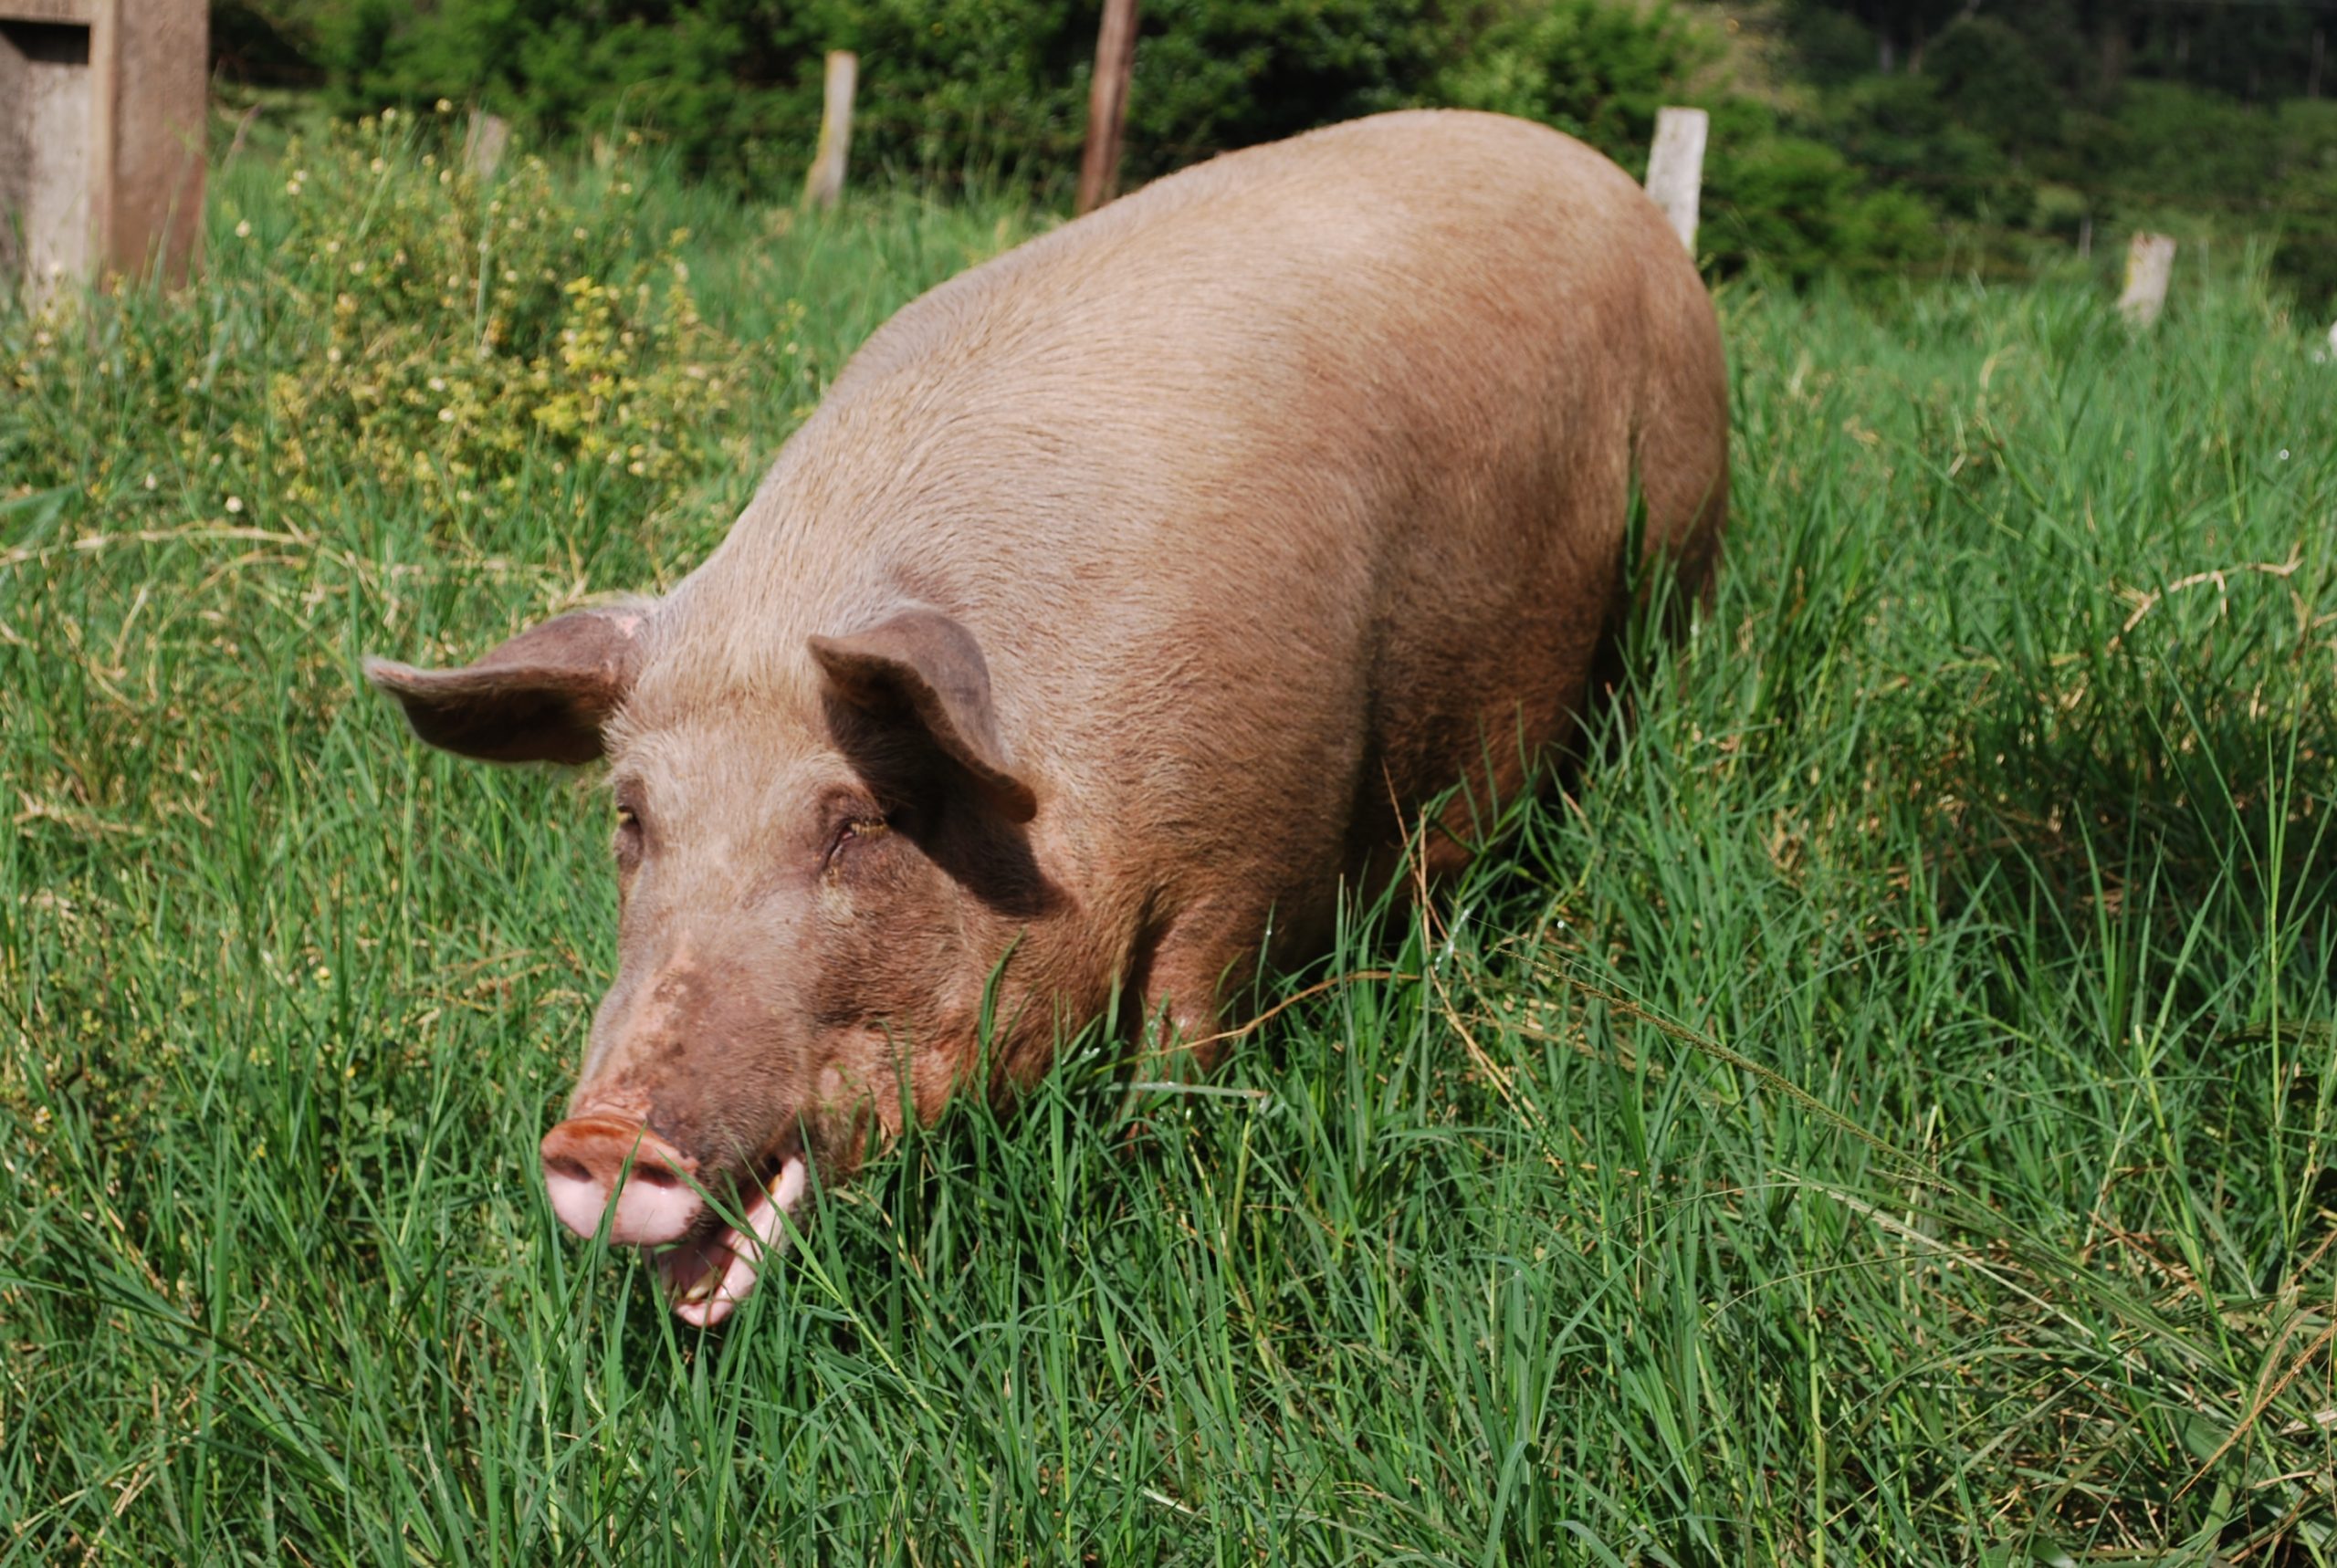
point(1124, 601)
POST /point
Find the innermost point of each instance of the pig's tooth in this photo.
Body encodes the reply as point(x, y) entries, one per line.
point(713, 1295)
point(787, 1184)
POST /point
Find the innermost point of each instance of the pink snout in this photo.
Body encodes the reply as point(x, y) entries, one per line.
point(589, 1158)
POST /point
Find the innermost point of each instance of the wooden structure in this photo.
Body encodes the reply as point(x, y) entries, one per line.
point(824, 187)
point(102, 137)
point(1108, 105)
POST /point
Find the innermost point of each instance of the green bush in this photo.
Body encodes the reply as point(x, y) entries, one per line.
point(993, 92)
point(1217, 73)
point(2160, 146)
point(451, 334)
point(998, 88)
point(723, 81)
point(1900, 130)
point(2305, 204)
point(1991, 80)
point(949, 89)
point(1832, 49)
point(1594, 71)
point(1797, 208)
point(2162, 154)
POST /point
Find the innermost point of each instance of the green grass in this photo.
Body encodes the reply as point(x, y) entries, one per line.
point(1883, 1115)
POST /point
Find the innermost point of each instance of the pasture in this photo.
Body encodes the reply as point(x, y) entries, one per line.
point(1881, 1113)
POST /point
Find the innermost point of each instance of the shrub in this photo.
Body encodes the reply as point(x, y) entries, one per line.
point(1795, 206)
point(991, 92)
point(1897, 129)
point(1597, 71)
point(1993, 81)
point(949, 89)
point(998, 87)
point(470, 334)
point(2305, 204)
point(449, 335)
point(724, 81)
point(1211, 75)
point(2160, 145)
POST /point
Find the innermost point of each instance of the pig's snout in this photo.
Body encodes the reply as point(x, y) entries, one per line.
point(590, 1157)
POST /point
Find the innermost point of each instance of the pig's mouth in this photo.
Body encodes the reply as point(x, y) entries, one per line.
point(714, 1267)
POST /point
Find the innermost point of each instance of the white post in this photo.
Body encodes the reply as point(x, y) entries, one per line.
point(824, 187)
point(1675, 168)
point(2150, 260)
point(483, 148)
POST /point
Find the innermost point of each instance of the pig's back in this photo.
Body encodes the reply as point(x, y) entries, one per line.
point(1269, 488)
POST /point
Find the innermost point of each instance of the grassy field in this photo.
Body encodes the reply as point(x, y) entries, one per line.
point(1884, 1115)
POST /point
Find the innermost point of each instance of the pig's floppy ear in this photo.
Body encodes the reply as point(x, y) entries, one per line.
point(540, 697)
point(923, 666)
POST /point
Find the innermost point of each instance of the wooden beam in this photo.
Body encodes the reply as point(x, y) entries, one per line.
point(1108, 105)
point(824, 187)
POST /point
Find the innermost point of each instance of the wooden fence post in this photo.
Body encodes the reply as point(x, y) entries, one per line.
point(824, 187)
point(2150, 260)
point(1675, 168)
point(1108, 105)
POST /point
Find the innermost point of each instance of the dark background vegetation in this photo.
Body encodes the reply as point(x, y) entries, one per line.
point(1862, 136)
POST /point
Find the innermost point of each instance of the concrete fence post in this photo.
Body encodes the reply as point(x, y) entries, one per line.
point(823, 186)
point(2150, 260)
point(1675, 168)
point(483, 146)
point(101, 137)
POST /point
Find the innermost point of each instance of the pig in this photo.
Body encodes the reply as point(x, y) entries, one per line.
point(1129, 599)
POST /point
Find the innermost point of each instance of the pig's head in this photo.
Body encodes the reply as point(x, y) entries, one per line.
point(819, 869)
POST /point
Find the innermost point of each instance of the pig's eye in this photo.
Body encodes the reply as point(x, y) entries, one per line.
point(628, 842)
point(855, 829)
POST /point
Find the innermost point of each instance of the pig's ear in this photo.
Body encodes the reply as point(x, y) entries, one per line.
point(540, 697)
point(922, 666)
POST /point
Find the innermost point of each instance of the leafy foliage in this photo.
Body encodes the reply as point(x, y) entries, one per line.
point(442, 331)
point(1796, 206)
point(2114, 114)
point(1989, 79)
point(990, 87)
point(1595, 70)
point(1922, 130)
